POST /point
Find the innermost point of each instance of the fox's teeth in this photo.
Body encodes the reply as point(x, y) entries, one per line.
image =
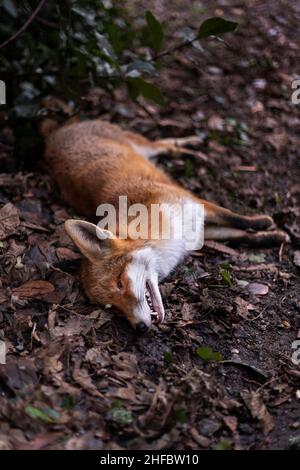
point(154, 314)
point(149, 300)
point(154, 317)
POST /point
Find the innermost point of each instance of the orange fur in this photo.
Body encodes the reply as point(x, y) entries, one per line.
point(95, 162)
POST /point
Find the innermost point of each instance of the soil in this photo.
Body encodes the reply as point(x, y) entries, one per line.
point(219, 373)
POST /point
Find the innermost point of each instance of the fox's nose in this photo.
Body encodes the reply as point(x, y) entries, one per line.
point(141, 327)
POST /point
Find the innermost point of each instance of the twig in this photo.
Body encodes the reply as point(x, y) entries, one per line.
point(189, 42)
point(256, 267)
point(151, 116)
point(24, 27)
point(175, 48)
point(246, 366)
point(47, 23)
point(54, 73)
point(252, 319)
point(34, 227)
point(281, 250)
point(225, 43)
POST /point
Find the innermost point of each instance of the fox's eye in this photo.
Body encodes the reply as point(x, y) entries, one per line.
point(119, 284)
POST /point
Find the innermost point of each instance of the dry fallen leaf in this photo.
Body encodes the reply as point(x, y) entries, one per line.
point(3, 297)
point(278, 140)
point(246, 168)
point(297, 258)
point(66, 253)
point(125, 365)
point(39, 442)
point(243, 307)
point(221, 248)
point(9, 220)
point(258, 410)
point(123, 393)
point(73, 326)
point(231, 422)
point(216, 123)
point(5, 443)
point(86, 442)
point(19, 375)
point(258, 289)
point(257, 107)
point(286, 324)
point(82, 377)
point(33, 289)
point(98, 357)
point(199, 438)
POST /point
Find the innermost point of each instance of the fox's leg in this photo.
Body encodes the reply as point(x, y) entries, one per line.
point(180, 141)
point(224, 225)
point(217, 215)
point(237, 236)
point(150, 149)
point(178, 146)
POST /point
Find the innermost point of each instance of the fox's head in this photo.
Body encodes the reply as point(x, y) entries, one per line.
point(122, 273)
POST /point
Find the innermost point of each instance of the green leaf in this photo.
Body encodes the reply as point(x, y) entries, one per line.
point(138, 67)
point(26, 110)
point(168, 357)
point(214, 26)
point(223, 444)
point(47, 415)
point(257, 258)
point(188, 168)
point(154, 31)
point(207, 354)
point(226, 277)
point(295, 442)
point(181, 416)
point(120, 416)
point(138, 86)
point(10, 7)
point(68, 402)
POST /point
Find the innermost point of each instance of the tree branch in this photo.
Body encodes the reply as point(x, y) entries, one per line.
point(178, 47)
point(189, 42)
point(24, 27)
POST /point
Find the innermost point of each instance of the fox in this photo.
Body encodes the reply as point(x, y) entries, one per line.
point(94, 162)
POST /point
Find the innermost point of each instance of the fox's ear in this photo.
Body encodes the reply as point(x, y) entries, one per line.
point(89, 238)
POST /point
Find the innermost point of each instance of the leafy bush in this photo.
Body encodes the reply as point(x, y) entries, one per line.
point(73, 45)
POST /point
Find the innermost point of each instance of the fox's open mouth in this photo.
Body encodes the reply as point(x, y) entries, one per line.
point(153, 302)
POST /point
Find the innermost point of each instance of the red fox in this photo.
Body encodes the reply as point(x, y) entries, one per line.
point(94, 162)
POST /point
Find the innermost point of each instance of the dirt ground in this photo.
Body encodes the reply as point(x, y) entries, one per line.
point(219, 373)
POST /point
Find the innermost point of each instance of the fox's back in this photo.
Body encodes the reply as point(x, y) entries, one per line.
point(95, 161)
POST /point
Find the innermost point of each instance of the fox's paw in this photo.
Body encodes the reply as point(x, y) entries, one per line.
point(260, 222)
point(263, 239)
